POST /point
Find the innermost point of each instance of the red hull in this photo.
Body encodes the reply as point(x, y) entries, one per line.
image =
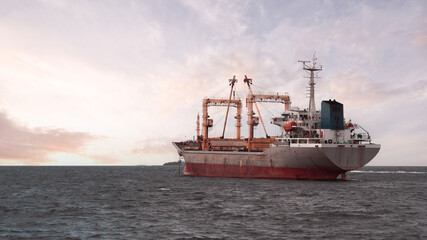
point(216, 170)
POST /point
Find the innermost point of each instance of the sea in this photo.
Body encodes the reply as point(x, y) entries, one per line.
point(156, 202)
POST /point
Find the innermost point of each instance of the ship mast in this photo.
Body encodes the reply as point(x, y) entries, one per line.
point(248, 81)
point(311, 70)
point(232, 82)
point(198, 126)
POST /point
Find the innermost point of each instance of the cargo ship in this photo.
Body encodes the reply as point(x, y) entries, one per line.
point(313, 144)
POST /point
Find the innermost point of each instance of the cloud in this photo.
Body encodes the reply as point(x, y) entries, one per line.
point(154, 146)
point(139, 69)
point(357, 90)
point(356, 41)
point(32, 146)
point(207, 73)
point(223, 19)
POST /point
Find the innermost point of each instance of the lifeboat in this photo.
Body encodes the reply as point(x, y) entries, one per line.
point(290, 126)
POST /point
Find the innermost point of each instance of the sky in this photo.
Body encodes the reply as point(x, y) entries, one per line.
point(115, 82)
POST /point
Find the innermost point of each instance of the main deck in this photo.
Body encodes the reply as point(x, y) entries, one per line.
point(285, 158)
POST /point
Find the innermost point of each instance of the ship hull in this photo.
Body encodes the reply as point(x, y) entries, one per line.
point(217, 170)
point(294, 161)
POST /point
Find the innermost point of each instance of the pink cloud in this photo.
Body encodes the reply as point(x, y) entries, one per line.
point(154, 146)
point(358, 90)
point(419, 35)
point(31, 146)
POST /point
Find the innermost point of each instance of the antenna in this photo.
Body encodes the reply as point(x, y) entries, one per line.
point(311, 70)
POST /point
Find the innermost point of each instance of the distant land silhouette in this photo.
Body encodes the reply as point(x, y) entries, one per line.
point(174, 163)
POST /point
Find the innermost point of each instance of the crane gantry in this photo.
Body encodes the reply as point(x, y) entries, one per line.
point(250, 143)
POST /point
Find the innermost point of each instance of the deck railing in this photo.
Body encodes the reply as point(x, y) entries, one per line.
point(300, 140)
point(321, 140)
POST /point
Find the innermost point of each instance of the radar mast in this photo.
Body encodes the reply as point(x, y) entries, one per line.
point(311, 70)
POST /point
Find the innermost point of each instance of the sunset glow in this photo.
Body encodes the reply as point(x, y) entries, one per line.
point(115, 82)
